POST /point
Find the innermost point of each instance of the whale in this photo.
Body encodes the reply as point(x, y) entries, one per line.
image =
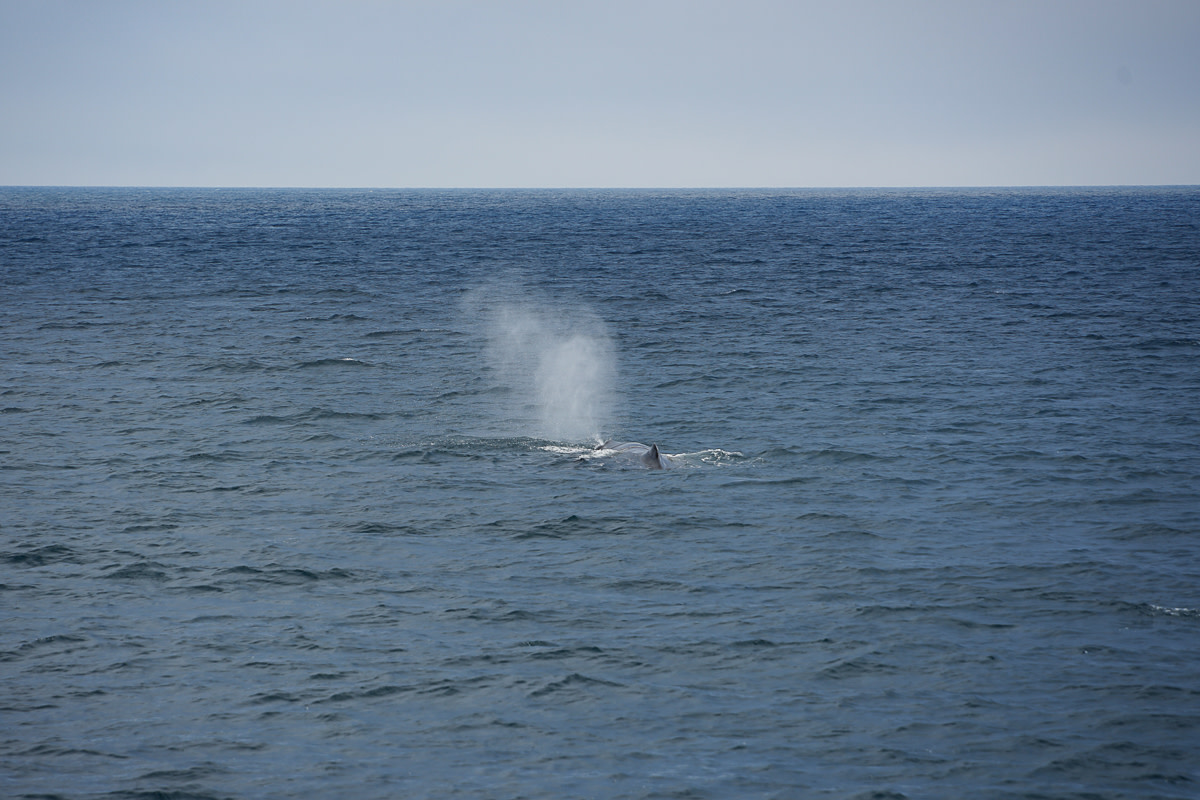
point(650, 457)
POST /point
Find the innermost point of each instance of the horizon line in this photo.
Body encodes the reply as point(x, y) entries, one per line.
point(850, 187)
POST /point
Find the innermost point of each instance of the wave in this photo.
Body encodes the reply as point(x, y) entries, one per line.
point(442, 333)
point(367, 694)
point(1180, 611)
point(1164, 343)
point(311, 415)
point(285, 576)
point(794, 480)
point(141, 571)
point(67, 326)
point(573, 686)
point(332, 362)
point(40, 556)
point(714, 455)
point(838, 456)
point(222, 457)
point(386, 527)
point(236, 366)
point(571, 526)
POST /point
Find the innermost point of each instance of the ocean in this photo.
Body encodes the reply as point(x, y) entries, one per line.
point(300, 493)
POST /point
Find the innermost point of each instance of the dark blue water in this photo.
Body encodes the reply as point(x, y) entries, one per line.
point(297, 494)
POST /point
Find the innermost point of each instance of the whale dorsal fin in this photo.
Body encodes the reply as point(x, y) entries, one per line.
point(652, 459)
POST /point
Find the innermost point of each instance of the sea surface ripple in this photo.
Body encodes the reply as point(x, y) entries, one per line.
point(298, 494)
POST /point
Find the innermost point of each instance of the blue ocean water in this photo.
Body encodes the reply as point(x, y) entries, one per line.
point(299, 494)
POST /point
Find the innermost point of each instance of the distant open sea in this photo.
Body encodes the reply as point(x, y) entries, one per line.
point(299, 494)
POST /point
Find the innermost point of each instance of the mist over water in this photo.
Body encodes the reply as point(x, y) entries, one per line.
point(551, 364)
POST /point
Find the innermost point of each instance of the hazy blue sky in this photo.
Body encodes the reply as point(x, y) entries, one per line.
point(602, 93)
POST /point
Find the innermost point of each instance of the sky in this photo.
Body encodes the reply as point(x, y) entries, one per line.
point(599, 93)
